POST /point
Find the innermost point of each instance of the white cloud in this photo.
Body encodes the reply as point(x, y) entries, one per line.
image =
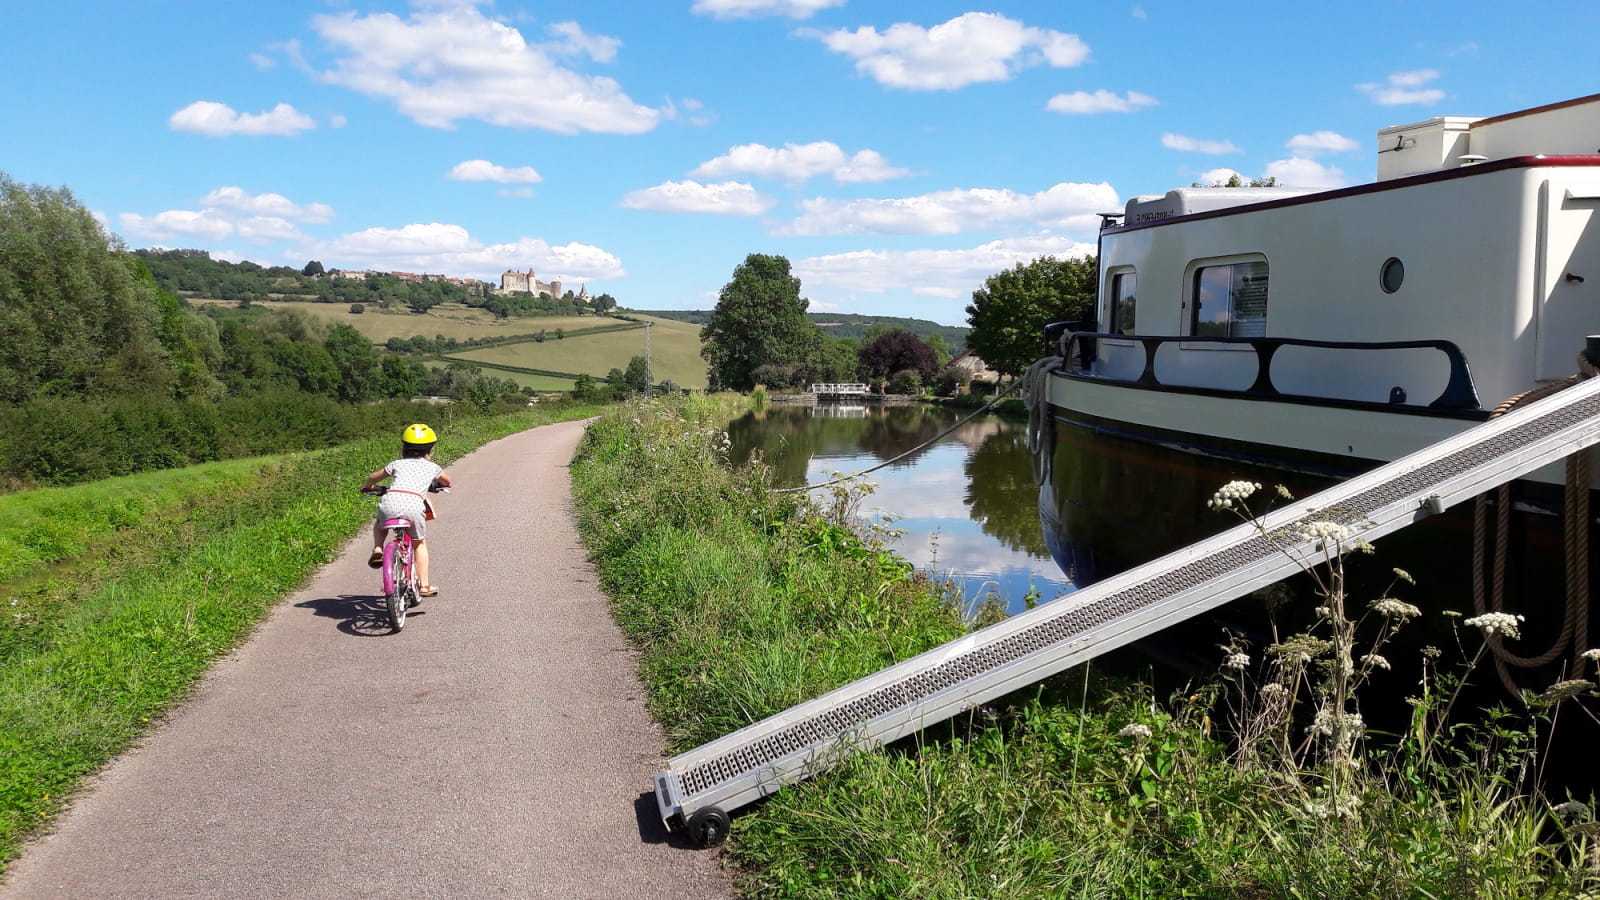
point(1404, 88)
point(337, 121)
point(483, 170)
point(267, 229)
point(1197, 145)
point(446, 63)
point(1301, 172)
point(1220, 176)
point(236, 200)
point(931, 273)
point(440, 247)
point(220, 120)
point(1069, 205)
point(971, 48)
point(1319, 142)
point(728, 198)
point(515, 192)
point(744, 9)
point(574, 40)
point(1085, 103)
point(796, 163)
point(177, 223)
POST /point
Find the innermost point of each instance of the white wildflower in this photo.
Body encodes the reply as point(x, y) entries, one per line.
point(1324, 612)
point(1330, 722)
point(1405, 576)
point(1376, 661)
point(1489, 623)
point(1237, 661)
point(1273, 690)
point(1390, 608)
point(1571, 809)
point(1136, 731)
point(1322, 532)
point(1233, 490)
point(1284, 493)
point(1566, 690)
point(1590, 655)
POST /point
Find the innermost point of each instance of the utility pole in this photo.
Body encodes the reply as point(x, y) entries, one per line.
point(649, 382)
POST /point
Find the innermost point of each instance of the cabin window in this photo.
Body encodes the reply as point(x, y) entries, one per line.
point(1230, 300)
point(1124, 286)
point(1392, 275)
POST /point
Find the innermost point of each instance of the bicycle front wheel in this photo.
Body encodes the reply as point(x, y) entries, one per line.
point(396, 582)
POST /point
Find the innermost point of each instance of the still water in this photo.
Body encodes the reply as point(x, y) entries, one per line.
point(967, 505)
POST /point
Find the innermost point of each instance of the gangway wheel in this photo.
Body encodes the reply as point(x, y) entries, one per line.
point(708, 827)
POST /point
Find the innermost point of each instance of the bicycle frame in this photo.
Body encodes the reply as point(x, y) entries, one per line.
point(400, 543)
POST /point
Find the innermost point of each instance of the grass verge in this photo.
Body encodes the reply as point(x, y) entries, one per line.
point(145, 580)
point(1260, 784)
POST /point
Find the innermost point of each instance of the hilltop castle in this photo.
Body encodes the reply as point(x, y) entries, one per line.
point(514, 282)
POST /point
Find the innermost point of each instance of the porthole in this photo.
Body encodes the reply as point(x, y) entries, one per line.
point(1391, 275)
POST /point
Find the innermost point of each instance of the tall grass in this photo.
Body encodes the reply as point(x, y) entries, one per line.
point(145, 595)
point(745, 602)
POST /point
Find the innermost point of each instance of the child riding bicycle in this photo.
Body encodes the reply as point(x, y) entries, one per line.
point(414, 473)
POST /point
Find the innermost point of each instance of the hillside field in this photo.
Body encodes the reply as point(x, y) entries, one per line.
point(674, 354)
point(449, 319)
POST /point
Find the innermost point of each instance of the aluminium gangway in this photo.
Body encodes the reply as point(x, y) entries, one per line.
point(699, 787)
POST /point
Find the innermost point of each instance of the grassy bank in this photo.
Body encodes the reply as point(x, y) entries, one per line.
point(119, 594)
point(1262, 783)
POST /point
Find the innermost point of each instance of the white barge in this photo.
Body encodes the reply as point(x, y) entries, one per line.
point(1331, 331)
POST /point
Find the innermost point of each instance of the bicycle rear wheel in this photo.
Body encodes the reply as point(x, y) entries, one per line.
point(397, 582)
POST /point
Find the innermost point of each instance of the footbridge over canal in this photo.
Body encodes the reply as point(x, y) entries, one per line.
point(700, 787)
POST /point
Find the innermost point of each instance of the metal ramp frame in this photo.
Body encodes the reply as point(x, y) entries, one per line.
point(700, 786)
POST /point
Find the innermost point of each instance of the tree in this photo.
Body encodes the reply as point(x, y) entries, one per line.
point(1237, 180)
point(357, 361)
point(635, 377)
point(76, 314)
point(312, 269)
point(899, 351)
point(1008, 314)
point(760, 319)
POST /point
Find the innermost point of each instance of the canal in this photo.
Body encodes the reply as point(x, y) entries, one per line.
point(966, 505)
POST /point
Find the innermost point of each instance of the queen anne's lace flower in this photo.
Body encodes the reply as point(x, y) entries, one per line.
point(1566, 690)
point(1376, 661)
point(1571, 809)
point(1273, 690)
point(1391, 608)
point(1136, 731)
point(1237, 661)
point(1233, 490)
point(1592, 655)
point(1489, 623)
point(1322, 532)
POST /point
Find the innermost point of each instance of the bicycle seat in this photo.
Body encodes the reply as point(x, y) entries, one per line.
point(397, 523)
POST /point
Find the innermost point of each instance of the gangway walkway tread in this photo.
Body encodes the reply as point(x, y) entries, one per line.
point(755, 761)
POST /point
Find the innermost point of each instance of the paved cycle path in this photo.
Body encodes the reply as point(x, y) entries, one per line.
point(499, 746)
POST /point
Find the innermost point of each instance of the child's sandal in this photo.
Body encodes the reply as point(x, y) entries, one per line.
point(427, 590)
point(376, 559)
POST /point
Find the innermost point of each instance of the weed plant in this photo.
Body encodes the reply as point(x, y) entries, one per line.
point(130, 588)
point(1264, 782)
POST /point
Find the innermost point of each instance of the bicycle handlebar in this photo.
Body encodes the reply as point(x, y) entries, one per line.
point(382, 489)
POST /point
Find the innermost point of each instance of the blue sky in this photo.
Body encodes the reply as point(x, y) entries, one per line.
point(897, 154)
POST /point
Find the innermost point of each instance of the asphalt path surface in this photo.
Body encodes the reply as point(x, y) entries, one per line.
point(498, 746)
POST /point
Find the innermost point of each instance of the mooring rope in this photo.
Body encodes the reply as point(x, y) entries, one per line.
point(1575, 534)
point(889, 462)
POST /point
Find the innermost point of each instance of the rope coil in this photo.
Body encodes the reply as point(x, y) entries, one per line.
point(1575, 535)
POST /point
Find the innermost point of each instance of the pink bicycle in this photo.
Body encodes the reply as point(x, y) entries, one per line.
point(400, 591)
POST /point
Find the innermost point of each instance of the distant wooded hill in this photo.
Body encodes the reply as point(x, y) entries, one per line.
point(843, 325)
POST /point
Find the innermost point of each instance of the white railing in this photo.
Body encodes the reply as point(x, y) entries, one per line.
point(838, 389)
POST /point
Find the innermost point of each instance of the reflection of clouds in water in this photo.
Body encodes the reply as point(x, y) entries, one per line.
point(918, 492)
point(926, 499)
point(974, 555)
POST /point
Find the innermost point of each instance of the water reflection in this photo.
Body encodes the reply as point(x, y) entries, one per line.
point(967, 504)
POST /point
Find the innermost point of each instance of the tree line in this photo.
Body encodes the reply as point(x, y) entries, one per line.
point(105, 372)
point(194, 272)
point(760, 333)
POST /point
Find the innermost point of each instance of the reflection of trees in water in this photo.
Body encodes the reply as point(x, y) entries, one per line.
point(902, 428)
point(1001, 494)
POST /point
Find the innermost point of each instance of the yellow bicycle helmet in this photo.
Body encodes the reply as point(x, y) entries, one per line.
point(418, 434)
